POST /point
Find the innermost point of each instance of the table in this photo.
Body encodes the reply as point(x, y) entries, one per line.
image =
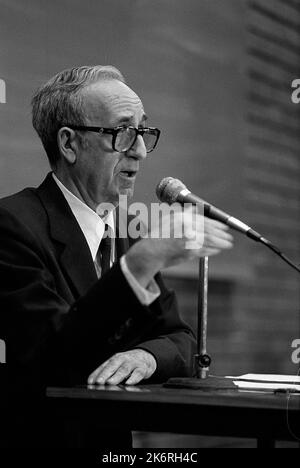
point(266, 417)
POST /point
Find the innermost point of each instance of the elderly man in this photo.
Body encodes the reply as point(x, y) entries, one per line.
point(74, 307)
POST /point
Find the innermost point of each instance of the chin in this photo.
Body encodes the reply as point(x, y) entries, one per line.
point(128, 192)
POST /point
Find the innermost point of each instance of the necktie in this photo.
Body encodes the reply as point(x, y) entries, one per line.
point(104, 253)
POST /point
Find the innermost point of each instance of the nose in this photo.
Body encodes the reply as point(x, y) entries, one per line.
point(138, 150)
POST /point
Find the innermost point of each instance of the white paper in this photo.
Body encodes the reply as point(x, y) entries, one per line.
point(269, 382)
point(272, 378)
point(265, 386)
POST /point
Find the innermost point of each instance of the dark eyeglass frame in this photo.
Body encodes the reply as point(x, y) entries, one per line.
point(115, 131)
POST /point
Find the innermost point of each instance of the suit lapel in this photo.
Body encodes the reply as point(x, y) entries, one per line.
point(75, 256)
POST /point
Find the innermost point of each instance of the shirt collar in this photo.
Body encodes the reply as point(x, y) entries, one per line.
point(89, 221)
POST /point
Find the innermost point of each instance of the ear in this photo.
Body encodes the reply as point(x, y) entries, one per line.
point(68, 144)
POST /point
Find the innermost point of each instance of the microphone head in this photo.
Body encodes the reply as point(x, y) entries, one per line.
point(168, 189)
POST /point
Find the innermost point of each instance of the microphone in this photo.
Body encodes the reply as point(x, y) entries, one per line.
point(170, 190)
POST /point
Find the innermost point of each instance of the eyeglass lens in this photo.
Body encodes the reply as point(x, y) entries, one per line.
point(126, 137)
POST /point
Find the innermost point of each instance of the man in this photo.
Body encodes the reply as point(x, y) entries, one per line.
point(65, 319)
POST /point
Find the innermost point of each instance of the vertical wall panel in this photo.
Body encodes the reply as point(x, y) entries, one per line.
point(270, 302)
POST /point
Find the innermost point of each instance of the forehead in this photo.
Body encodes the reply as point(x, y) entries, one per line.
point(111, 102)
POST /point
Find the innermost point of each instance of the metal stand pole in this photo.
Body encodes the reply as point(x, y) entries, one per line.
point(201, 380)
point(202, 359)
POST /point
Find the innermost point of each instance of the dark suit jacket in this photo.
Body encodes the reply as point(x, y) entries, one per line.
point(58, 321)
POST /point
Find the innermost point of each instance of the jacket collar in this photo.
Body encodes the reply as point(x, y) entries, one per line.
point(75, 256)
point(91, 224)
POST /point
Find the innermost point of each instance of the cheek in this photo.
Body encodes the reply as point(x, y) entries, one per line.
point(108, 170)
point(101, 167)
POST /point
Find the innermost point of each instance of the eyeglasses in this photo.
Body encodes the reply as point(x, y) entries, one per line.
point(124, 138)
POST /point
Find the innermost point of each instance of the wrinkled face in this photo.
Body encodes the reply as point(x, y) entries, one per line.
point(103, 172)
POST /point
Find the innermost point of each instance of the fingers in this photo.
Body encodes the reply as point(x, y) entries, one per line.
point(120, 375)
point(211, 225)
point(215, 238)
point(197, 226)
point(132, 366)
point(188, 224)
point(217, 235)
point(112, 372)
point(136, 377)
point(184, 236)
point(105, 371)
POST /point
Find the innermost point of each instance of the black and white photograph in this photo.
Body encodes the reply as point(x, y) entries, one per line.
point(149, 227)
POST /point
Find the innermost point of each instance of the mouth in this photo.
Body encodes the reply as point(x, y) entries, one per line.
point(129, 174)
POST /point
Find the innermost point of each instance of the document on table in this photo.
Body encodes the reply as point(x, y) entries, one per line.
point(269, 382)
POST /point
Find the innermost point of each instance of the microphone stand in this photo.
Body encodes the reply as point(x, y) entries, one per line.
point(202, 360)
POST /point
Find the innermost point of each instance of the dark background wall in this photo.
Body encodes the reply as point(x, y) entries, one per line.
point(216, 77)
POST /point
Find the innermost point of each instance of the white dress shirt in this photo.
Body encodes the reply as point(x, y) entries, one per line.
point(93, 227)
